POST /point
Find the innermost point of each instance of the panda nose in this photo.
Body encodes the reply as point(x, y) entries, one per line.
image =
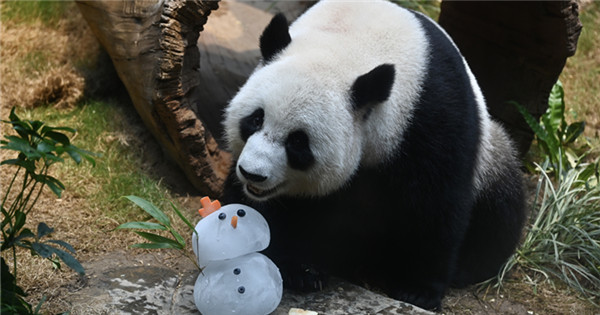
point(252, 177)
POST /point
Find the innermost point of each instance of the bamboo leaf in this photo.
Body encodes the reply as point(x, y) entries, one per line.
point(183, 218)
point(154, 238)
point(155, 246)
point(142, 225)
point(150, 209)
point(178, 237)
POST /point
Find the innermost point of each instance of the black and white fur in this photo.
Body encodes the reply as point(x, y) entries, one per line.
point(364, 140)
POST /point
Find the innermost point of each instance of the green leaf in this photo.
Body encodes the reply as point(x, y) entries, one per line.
point(69, 260)
point(45, 147)
point(150, 209)
point(155, 246)
point(48, 128)
point(18, 125)
point(75, 156)
point(42, 249)
point(26, 164)
point(58, 137)
point(542, 135)
point(54, 184)
point(12, 294)
point(20, 218)
point(573, 131)
point(77, 153)
point(25, 233)
point(142, 225)
point(35, 124)
point(13, 116)
point(556, 108)
point(183, 218)
point(178, 237)
point(43, 230)
point(154, 238)
point(20, 145)
point(63, 244)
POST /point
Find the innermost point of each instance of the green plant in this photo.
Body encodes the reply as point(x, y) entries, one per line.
point(554, 136)
point(564, 238)
point(164, 224)
point(39, 147)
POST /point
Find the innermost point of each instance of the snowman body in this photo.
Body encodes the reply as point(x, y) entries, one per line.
point(235, 278)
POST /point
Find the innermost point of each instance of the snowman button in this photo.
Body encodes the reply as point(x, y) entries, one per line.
point(241, 290)
point(237, 271)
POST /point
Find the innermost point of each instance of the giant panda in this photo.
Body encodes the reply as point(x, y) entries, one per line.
point(363, 138)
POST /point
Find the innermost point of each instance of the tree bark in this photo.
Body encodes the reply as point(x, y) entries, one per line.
point(153, 46)
point(516, 50)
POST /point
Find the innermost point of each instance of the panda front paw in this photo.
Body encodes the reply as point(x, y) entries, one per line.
point(303, 277)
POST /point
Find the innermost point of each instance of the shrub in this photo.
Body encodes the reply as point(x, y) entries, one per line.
point(39, 147)
point(563, 238)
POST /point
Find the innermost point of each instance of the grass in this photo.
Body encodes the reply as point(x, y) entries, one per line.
point(122, 169)
point(563, 240)
point(31, 12)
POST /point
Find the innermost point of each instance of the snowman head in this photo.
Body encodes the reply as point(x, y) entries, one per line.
point(229, 231)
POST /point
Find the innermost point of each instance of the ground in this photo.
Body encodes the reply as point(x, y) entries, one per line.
point(68, 81)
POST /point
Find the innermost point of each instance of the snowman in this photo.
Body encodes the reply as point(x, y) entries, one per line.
point(236, 279)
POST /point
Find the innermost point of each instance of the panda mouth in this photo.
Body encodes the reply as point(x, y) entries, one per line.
point(259, 193)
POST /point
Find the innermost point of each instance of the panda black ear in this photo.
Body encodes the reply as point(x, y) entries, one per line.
point(275, 37)
point(373, 87)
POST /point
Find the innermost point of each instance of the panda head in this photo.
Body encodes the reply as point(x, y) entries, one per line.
point(293, 130)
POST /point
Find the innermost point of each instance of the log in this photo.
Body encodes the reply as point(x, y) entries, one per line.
point(516, 51)
point(153, 46)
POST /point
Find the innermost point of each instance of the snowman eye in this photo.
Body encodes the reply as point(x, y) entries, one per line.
point(241, 290)
point(222, 216)
point(237, 271)
point(241, 213)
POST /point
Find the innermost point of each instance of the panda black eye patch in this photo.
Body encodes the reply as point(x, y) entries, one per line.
point(298, 151)
point(251, 123)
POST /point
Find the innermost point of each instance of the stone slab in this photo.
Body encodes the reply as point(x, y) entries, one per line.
point(121, 283)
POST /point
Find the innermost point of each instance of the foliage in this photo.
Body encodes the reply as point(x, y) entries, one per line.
point(564, 238)
point(39, 147)
point(554, 136)
point(164, 224)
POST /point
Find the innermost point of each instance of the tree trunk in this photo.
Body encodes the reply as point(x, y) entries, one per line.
point(153, 46)
point(516, 50)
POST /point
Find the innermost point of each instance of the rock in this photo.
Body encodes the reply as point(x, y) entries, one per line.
point(156, 283)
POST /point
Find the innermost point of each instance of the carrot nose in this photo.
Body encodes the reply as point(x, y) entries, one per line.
point(234, 221)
